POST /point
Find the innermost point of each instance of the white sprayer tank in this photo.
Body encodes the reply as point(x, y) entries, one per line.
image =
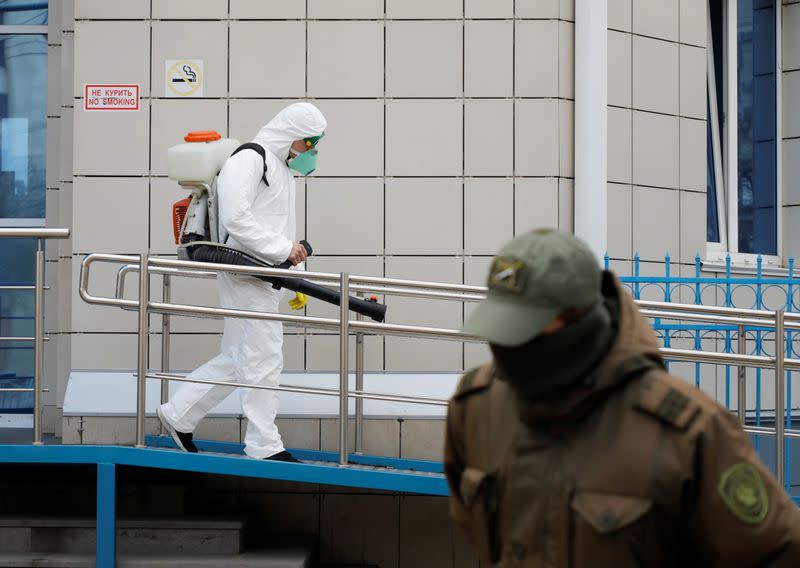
point(200, 158)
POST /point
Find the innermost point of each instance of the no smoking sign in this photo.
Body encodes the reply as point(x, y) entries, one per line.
point(184, 78)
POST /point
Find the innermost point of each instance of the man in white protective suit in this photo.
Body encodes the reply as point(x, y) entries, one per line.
point(258, 218)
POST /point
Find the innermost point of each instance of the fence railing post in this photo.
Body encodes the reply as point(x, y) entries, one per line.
point(359, 442)
point(38, 343)
point(780, 403)
point(141, 360)
point(165, 339)
point(742, 385)
point(344, 366)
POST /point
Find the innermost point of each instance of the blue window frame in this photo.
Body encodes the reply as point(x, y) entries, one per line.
point(23, 143)
point(747, 70)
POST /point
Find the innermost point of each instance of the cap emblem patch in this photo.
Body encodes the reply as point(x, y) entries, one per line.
point(508, 274)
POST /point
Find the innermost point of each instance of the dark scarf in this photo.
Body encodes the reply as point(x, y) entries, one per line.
point(550, 364)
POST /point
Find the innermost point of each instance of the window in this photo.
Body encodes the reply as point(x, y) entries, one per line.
point(743, 216)
point(23, 143)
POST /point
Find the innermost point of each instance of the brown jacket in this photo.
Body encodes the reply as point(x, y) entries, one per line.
point(633, 468)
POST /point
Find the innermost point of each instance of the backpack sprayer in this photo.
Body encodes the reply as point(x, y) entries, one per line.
point(195, 220)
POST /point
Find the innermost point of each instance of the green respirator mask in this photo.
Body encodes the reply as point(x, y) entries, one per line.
point(306, 162)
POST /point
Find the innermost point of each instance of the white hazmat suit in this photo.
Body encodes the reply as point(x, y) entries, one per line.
point(259, 220)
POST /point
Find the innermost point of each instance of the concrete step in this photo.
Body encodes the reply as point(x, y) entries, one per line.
point(155, 535)
point(299, 557)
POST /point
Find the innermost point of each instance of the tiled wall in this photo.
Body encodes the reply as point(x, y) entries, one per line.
point(450, 130)
point(656, 131)
point(791, 127)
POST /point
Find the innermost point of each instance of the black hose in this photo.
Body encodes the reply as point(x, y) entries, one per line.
point(221, 254)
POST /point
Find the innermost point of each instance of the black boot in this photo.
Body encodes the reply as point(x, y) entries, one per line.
point(182, 439)
point(284, 456)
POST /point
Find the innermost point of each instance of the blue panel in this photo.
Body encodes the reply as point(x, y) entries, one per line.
point(354, 476)
point(106, 513)
point(307, 455)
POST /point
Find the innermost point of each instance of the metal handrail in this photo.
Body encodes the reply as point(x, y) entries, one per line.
point(38, 233)
point(420, 289)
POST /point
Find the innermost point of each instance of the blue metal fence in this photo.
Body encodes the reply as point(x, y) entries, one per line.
point(750, 292)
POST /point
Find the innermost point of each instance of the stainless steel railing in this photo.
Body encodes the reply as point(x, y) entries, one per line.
point(170, 268)
point(38, 313)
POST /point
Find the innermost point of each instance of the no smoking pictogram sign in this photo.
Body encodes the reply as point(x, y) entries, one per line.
point(184, 77)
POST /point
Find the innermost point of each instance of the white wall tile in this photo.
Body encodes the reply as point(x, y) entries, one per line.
point(693, 154)
point(345, 59)
point(620, 221)
point(322, 352)
point(89, 317)
point(67, 71)
point(791, 40)
point(537, 137)
point(423, 216)
point(105, 351)
point(488, 215)
point(655, 75)
point(105, 10)
point(247, 116)
point(163, 193)
point(174, 118)
point(52, 155)
point(123, 61)
point(111, 143)
point(566, 144)
point(193, 40)
point(423, 59)
point(488, 137)
point(535, 204)
point(693, 99)
point(656, 18)
point(655, 150)
point(791, 92)
point(566, 205)
point(420, 354)
point(655, 222)
point(692, 225)
point(537, 48)
point(791, 232)
point(693, 22)
point(267, 9)
point(419, 9)
point(254, 75)
point(619, 69)
point(619, 145)
point(493, 9)
point(791, 172)
point(353, 143)
point(547, 9)
point(566, 59)
point(193, 292)
point(488, 59)
point(344, 9)
point(423, 137)
point(357, 225)
point(97, 223)
point(476, 270)
point(619, 15)
point(190, 9)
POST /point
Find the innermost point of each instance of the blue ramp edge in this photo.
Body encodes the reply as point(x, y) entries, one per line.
point(307, 455)
point(366, 476)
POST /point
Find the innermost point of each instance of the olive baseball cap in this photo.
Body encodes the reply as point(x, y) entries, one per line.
point(533, 278)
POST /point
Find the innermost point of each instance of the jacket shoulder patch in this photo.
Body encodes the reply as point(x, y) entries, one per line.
point(667, 402)
point(476, 380)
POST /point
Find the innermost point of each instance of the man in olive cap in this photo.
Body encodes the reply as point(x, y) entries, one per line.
point(574, 447)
